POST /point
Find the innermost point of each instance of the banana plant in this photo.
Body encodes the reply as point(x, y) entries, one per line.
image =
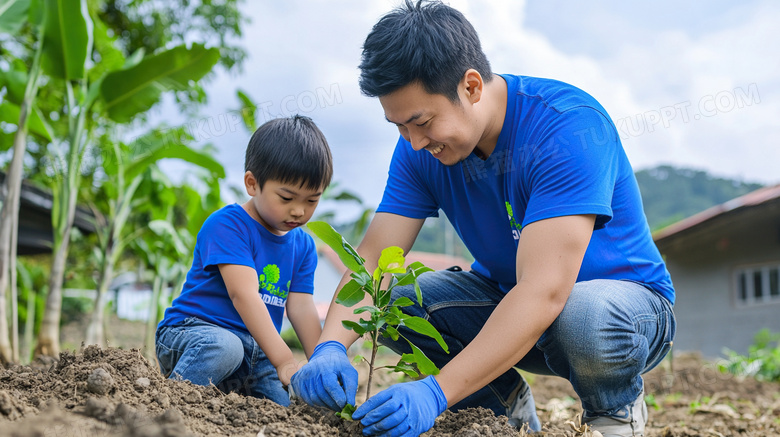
point(116, 201)
point(97, 94)
point(18, 108)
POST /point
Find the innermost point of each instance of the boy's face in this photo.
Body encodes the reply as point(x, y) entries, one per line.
point(449, 131)
point(280, 207)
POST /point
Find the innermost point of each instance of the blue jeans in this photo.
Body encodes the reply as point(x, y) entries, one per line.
point(609, 333)
point(204, 353)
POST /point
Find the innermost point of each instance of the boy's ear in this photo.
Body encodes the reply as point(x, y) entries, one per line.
point(250, 183)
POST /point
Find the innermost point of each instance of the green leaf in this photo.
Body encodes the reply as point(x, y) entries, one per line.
point(178, 151)
point(358, 359)
point(384, 299)
point(9, 113)
point(67, 38)
point(347, 195)
point(347, 254)
point(392, 260)
point(346, 412)
point(248, 110)
point(349, 324)
point(165, 229)
point(14, 82)
point(422, 361)
point(13, 15)
point(391, 332)
point(406, 368)
point(135, 58)
point(403, 301)
point(369, 308)
point(424, 327)
point(419, 270)
point(418, 292)
point(134, 90)
point(404, 279)
point(362, 278)
point(351, 293)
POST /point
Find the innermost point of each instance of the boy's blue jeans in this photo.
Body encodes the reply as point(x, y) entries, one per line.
point(608, 334)
point(203, 353)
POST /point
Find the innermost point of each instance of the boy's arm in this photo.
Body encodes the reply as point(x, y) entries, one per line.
point(242, 286)
point(305, 320)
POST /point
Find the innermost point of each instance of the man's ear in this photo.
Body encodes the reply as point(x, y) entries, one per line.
point(472, 85)
point(250, 183)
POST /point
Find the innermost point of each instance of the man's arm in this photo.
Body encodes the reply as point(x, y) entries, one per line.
point(304, 319)
point(549, 257)
point(242, 286)
point(385, 230)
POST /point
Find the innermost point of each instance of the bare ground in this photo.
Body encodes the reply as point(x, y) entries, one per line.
point(129, 397)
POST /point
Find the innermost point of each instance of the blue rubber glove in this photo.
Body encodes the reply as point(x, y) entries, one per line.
point(328, 379)
point(403, 410)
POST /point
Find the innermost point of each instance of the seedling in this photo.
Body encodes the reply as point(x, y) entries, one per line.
point(385, 316)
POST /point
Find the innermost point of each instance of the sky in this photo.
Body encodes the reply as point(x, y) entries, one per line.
point(694, 85)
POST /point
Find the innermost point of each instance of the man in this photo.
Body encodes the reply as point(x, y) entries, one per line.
point(532, 175)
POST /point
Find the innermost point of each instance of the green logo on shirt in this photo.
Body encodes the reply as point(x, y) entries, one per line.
point(268, 280)
point(516, 228)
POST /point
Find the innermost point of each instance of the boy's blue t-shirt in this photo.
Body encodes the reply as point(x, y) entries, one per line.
point(284, 264)
point(558, 154)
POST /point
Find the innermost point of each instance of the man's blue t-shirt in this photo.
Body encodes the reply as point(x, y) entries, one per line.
point(558, 154)
point(284, 264)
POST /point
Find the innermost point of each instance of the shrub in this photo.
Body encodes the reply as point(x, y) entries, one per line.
point(762, 361)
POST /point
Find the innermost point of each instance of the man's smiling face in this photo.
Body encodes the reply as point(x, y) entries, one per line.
point(432, 122)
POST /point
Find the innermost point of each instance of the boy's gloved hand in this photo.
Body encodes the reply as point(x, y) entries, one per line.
point(406, 409)
point(328, 380)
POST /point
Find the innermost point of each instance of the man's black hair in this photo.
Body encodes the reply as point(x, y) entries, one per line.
point(290, 150)
point(427, 42)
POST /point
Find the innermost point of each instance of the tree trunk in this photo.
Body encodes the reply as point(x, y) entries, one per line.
point(8, 230)
point(9, 217)
point(151, 323)
point(95, 331)
point(14, 288)
point(5, 340)
point(49, 334)
point(29, 325)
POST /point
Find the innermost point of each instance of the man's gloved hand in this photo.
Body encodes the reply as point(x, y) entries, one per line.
point(406, 409)
point(328, 379)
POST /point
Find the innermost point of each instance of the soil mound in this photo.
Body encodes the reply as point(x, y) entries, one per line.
point(115, 392)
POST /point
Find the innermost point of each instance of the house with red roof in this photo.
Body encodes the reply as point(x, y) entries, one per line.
point(725, 265)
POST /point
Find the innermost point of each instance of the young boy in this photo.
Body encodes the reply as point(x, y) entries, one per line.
point(250, 262)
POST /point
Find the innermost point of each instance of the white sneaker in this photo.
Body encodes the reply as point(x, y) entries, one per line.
point(523, 409)
point(628, 422)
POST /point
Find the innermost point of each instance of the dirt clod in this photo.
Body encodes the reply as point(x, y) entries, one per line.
point(193, 397)
point(142, 384)
point(100, 381)
point(98, 408)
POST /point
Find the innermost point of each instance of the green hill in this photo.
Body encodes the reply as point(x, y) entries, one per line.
point(670, 194)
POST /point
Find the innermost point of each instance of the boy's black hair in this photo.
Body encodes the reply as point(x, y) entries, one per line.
point(427, 42)
point(290, 150)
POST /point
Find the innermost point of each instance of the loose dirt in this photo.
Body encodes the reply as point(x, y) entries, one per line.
point(116, 392)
